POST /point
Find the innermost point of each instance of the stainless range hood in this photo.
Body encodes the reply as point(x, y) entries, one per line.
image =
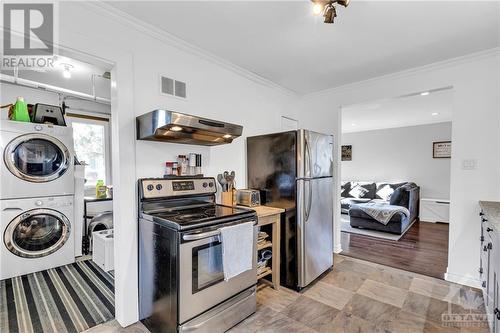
point(170, 126)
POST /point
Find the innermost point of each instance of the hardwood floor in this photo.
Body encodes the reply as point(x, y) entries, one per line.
point(423, 249)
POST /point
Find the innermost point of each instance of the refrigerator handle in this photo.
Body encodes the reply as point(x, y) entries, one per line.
point(309, 199)
point(308, 159)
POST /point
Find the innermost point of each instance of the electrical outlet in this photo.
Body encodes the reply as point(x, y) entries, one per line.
point(469, 164)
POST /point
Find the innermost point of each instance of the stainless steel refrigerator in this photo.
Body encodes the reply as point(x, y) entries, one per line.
point(294, 170)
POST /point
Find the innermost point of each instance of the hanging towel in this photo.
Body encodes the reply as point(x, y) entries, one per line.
point(237, 249)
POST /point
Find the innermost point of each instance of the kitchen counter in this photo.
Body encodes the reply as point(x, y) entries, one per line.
point(491, 211)
point(263, 211)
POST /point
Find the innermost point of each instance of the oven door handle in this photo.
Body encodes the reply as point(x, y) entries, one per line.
point(193, 237)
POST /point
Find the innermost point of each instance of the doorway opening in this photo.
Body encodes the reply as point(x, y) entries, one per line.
point(69, 215)
point(395, 189)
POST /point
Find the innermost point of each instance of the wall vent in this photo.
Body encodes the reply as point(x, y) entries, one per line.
point(180, 89)
point(167, 85)
point(173, 87)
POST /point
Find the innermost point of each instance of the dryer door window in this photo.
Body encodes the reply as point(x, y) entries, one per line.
point(37, 233)
point(37, 158)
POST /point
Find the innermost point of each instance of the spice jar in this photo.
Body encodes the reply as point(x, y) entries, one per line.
point(169, 168)
point(175, 169)
point(183, 165)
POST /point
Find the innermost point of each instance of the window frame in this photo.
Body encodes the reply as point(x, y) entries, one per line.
point(103, 120)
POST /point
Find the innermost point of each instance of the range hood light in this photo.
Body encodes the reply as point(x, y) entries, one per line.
point(176, 128)
point(227, 136)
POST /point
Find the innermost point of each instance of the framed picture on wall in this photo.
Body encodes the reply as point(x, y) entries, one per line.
point(347, 153)
point(441, 149)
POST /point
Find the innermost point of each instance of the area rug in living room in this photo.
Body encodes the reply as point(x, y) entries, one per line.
point(345, 226)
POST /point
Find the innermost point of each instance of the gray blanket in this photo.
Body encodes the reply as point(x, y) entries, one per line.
point(382, 212)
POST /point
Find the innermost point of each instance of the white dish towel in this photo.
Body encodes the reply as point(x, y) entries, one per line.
point(237, 249)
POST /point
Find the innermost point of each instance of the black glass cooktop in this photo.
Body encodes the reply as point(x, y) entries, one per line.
point(195, 215)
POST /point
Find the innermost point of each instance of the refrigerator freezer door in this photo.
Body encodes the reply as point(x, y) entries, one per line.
point(271, 168)
point(314, 155)
point(315, 228)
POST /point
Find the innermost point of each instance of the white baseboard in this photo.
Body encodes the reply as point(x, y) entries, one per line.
point(461, 279)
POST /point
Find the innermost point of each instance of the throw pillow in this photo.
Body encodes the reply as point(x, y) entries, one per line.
point(396, 196)
point(396, 185)
point(345, 188)
point(370, 187)
point(358, 192)
point(385, 192)
point(401, 196)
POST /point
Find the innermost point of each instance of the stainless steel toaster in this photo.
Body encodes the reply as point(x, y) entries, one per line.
point(248, 197)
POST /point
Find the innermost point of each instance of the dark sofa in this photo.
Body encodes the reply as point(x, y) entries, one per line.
point(405, 194)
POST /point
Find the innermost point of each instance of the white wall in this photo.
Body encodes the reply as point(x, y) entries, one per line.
point(475, 128)
point(215, 90)
point(400, 154)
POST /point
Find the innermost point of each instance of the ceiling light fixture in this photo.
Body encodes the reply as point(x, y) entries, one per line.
point(425, 93)
point(435, 113)
point(67, 70)
point(353, 124)
point(327, 7)
point(176, 128)
point(317, 9)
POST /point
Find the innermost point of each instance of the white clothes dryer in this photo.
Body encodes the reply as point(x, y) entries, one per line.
point(37, 160)
point(37, 234)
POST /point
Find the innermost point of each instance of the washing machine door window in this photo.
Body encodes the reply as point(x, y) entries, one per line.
point(37, 158)
point(37, 233)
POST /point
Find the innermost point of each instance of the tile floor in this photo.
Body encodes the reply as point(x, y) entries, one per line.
point(358, 296)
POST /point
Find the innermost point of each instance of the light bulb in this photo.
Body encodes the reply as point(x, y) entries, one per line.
point(67, 70)
point(227, 136)
point(176, 128)
point(317, 9)
point(67, 73)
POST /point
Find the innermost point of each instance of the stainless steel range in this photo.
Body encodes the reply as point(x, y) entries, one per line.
point(181, 277)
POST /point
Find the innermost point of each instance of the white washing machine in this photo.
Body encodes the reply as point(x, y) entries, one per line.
point(37, 160)
point(36, 235)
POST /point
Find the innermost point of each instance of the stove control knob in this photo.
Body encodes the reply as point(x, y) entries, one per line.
point(159, 187)
point(211, 184)
point(150, 187)
point(205, 184)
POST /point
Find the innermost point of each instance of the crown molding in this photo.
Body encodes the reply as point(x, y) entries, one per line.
point(169, 39)
point(148, 29)
point(457, 61)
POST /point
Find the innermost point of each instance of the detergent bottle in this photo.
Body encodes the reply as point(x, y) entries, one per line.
point(100, 189)
point(20, 111)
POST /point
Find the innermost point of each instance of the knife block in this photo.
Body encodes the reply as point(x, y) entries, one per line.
point(226, 198)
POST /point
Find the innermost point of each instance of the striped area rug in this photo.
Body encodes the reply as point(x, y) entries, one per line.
point(65, 299)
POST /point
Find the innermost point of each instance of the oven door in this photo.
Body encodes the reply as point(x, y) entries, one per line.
point(201, 277)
